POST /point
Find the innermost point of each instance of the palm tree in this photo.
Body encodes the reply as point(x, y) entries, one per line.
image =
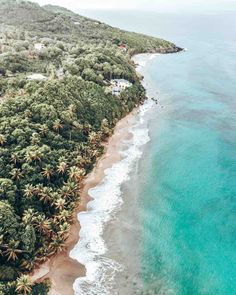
point(43, 130)
point(28, 216)
point(70, 189)
point(38, 189)
point(33, 156)
point(61, 168)
point(64, 215)
point(93, 137)
point(80, 161)
point(58, 244)
point(76, 173)
point(64, 229)
point(65, 191)
point(45, 195)
point(43, 225)
point(16, 174)
point(12, 253)
point(24, 285)
point(3, 139)
point(29, 190)
point(57, 125)
point(47, 171)
point(28, 263)
point(15, 158)
point(35, 139)
point(60, 204)
point(42, 254)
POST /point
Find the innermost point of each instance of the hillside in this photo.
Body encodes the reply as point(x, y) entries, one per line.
point(65, 81)
point(53, 20)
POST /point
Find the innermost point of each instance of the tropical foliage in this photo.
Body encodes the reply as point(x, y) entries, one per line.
point(52, 132)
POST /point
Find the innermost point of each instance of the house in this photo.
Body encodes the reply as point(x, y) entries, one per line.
point(37, 77)
point(77, 23)
point(39, 46)
point(123, 47)
point(121, 83)
point(118, 85)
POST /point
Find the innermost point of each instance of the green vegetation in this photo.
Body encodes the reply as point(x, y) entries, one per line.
point(52, 132)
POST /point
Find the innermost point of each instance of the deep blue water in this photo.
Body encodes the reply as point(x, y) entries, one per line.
point(187, 190)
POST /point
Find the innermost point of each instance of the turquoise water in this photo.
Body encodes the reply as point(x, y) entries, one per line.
point(189, 231)
point(187, 189)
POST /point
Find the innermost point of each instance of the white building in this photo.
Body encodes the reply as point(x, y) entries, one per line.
point(39, 46)
point(37, 77)
point(121, 83)
point(118, 85)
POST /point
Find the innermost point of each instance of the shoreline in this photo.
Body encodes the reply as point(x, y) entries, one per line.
point(62, 270)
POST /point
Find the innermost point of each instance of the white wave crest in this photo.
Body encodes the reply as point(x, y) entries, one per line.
point(107, 199)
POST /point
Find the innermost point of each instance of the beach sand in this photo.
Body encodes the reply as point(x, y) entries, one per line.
point(61, 269)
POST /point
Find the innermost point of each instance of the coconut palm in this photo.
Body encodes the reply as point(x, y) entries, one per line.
point(12, 254)
point(64, 215)
point(42, 254)
point(60, 204)
point(64, 229)
point(24, 285)
point(57, 245)
point(57, 125)
point(3, 139)
point(28, 263)
point(33, 156)
point(61, 168)
point(69, 190)
point(35, 138)
point(76, 173)
point(16, 174)
point(29, 216)
point(45, 195)
point(80, 161)
point(38, 189)
point(47, 171)
point(15, 158)
point(43, 225)
point(65, 191)
point(93, 137)
point(43, 130)
point(29, 190)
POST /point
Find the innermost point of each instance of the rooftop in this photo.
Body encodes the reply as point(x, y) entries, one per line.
point(38, 77)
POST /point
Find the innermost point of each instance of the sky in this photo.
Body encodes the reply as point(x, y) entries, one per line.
point(158, 5)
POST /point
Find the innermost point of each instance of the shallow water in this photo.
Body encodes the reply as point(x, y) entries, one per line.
point(176, 232)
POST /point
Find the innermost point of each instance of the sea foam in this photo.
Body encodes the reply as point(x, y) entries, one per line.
point(107, 199)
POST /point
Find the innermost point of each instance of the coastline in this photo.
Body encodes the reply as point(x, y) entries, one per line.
point(61, 269)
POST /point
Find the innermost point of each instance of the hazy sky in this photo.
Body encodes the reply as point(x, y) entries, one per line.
point(159, 5)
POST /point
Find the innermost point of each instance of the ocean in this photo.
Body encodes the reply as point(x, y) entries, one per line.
point(164, 218)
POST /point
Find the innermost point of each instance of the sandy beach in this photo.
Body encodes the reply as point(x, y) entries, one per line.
point(61, 269)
